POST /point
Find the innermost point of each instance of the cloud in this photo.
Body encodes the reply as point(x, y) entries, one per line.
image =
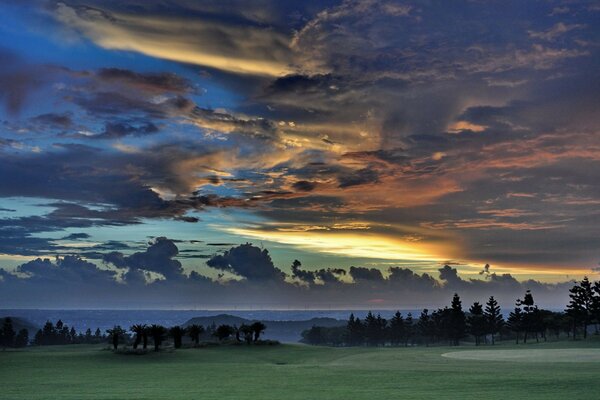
point(235, 46)
point(247, 261)
point(557, 30)
point(72, 278)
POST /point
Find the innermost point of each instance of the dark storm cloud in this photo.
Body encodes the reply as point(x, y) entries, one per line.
point(69, 269)
point(365, 274)
point(247, 261)
point(158, 258)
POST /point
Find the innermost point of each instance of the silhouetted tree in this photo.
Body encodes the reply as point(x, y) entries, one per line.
point(177, 333)
point(22, 338)
point(528, 321)
point(115, 334)
point(224, 332)
point(7, 334)
point(397, 331)
point(409, 329)
point(139, 331)
point(158, 333)
point(493, 317)
point(515, 321)
point(457, 323)
point(72, 335)
point(194, 332)
point(248, 332)
point(476, 322)
point(258, 328)
point(88, 336)
point(355, 331)
point(425, 326)
point(581, 306)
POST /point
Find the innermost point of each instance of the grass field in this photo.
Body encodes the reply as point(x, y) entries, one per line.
point(290, 372)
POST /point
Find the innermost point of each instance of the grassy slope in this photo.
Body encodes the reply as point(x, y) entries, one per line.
point(287, 372)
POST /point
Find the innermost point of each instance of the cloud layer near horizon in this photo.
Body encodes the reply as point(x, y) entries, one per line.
point(154, 278)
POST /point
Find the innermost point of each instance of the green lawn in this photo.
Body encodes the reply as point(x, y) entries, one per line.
point(289, 372)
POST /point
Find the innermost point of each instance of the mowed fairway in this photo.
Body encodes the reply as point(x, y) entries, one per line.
point(290, 372)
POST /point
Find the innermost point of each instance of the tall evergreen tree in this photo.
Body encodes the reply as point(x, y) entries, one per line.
point(476, 322)
point(371, 329)
point(425, 326)
point(457, 323)
point(397, 329)
point(7, 334)
point(409, 329)
point(493, 317)
point(515, 321)
point(581, 306)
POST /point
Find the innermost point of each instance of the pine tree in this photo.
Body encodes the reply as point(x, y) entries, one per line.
point(515, 320)
point(476, 322)
point(424, 326)
point(457, 323)
point(354, 331)
point(397, 331)
point(7, 336)
point(493, 317)
point(582, 305)
point(409, 329)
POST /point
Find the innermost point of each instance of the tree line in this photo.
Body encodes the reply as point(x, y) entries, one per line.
point(10, 338)
point(482, 323)
point(60, 334)
point(142, 334)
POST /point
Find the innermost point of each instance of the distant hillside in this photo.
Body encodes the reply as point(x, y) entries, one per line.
point(20, 323)
point(284, 331)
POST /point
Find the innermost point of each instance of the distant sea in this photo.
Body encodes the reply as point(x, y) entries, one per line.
point(105, 319)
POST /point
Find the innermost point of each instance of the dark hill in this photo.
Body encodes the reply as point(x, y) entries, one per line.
point(284, 331)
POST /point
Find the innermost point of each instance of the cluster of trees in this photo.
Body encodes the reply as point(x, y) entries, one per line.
point(10, 338)
point(448, 325)
point(481, 323)
point(142, 334)
point(59, 333)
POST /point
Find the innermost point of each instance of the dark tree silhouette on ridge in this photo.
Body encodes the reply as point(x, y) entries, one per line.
point(194, 331)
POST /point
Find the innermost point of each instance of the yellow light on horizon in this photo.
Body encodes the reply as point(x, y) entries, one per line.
point(361, 245)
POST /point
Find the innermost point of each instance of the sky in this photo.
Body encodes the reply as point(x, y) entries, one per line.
point(364, 153)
